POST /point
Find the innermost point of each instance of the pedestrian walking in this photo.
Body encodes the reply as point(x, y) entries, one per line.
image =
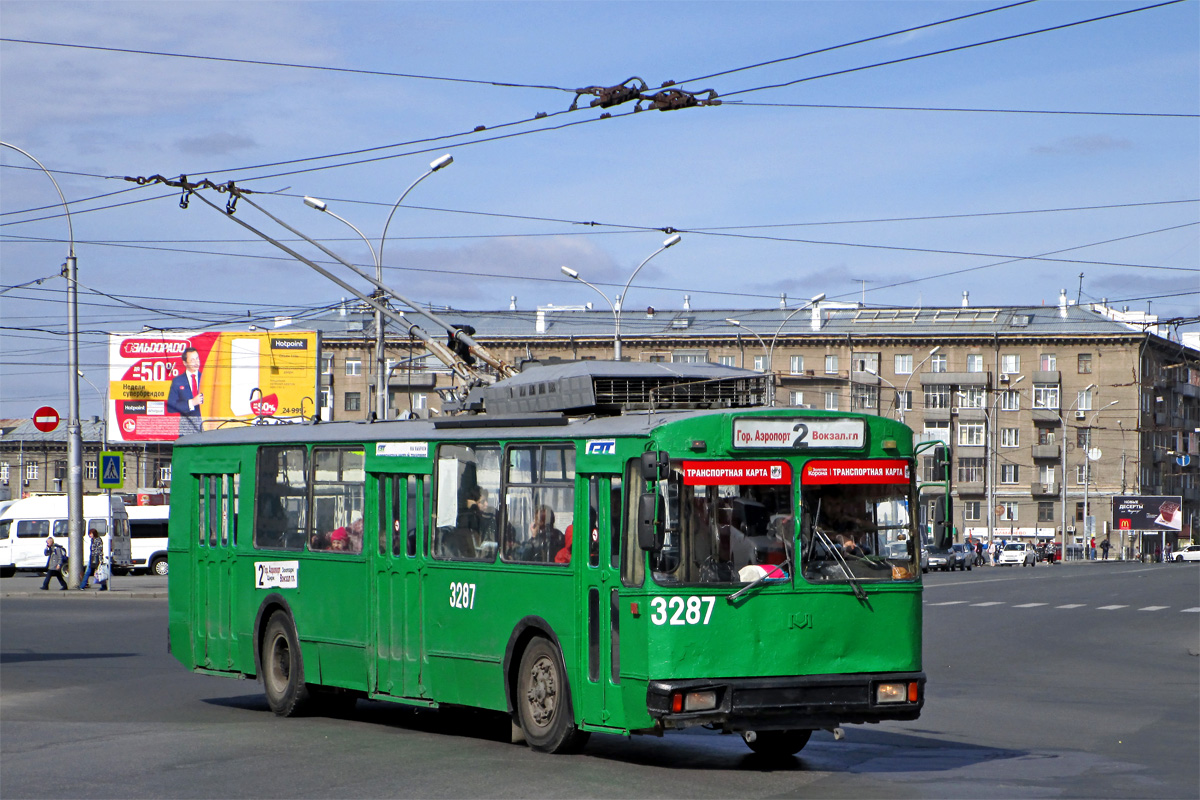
point(56, 556)
point(96, 564)
point(1104, 548)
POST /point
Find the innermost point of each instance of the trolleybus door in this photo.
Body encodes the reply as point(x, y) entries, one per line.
point(397, 585)
point(216, 538)
point(596, 545)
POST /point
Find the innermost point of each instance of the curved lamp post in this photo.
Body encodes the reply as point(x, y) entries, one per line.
point(616, 306)
point(381, 393)
point(74, 432)
point(1087, 463)
point(917, 369)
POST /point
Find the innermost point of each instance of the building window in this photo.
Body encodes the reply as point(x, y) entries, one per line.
point(760, 363)
point(689, 357)
point(938, 362)
point(1081, 437)
point(904, 364)
point(1008, 510)
point(971, 510)
point(353, 400)
point(971, 397)
point(1009, 473)
point(164, 472)
point(970, 434)
point(1046, 474)
point(420, 402)
point(1045, 395)
point(866, 396)
point(1049, 362)
point(1084, 475)
point(831, 401)
point(326, 397)
point(937, 395)
point(937, 430)
point(1045, 436)
point(866, 362)
point(727, 361)
point(831, 365)
point(1083, 400)
point(1010, 363)
point(1085, 363)
point(974, 363)
point(970, 470)
point(796, 399)
point(353, 367)
point(31, 471)
point(904, 400)
point(1010, 400)
point(4, 471)
point(1079, 512)
point(1010, 437)
point(796, 365)
point(89, 471)
point(327, 363)
point(1045, 511)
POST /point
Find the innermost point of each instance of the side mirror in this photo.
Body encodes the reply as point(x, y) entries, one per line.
point(654, 465)
point(648, 527)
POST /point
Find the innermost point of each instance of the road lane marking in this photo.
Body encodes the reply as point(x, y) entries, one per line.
point(1072, 605)
point(990, 603)
point(1030, 605)
point(1153, 608)
point(1191, 610)
point(948, 603)
point(1110, 608)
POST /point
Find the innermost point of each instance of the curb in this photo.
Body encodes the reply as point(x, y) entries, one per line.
point(112, 594)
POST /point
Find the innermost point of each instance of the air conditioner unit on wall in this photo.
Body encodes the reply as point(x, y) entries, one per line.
point(1080, 414)
point(1004, 377)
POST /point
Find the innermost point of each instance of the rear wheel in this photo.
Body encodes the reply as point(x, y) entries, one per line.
point(776, 744)
point(543, 701)
point(159, 566)
point(283, 668)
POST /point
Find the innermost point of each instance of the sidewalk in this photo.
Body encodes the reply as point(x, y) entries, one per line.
point(121, 587)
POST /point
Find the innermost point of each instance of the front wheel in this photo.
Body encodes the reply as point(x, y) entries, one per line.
point(283, 667)
point(543, 701)
point(776, 744)
point(159, 567)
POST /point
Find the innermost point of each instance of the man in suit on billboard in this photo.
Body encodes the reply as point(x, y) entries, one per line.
point(185, 397)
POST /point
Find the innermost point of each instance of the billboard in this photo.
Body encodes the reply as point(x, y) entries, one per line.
point(1148, 513)
point(229, 378)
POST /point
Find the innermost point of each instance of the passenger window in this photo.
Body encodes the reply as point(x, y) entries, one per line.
point(61, 529)
point(615, 520)
point(99, 525)
point(539, 503)
point(5, 527)
point(281, 499)
point(339, 484)
point(593, 526)
point(468, 483)
point(33, 528)
point(633, 558)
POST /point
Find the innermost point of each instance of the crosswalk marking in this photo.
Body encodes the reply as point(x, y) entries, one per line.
point(1111, 608)
point(991, 603)
point(1153, 608)
point(1030, 605)
point(1071, 605)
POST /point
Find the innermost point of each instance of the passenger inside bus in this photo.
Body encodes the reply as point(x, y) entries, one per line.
point(544, 541)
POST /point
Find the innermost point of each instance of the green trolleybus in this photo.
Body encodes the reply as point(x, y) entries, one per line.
point(692, 560)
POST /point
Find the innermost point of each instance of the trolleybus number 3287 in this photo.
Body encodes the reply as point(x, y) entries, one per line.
point(684, 612)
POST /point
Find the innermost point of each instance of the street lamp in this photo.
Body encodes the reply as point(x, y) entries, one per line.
point(381, 394)
point(74, 432)
point(616, 306)
point(991, 463)
point(103, 401)
point(1062, 420)
point(1087, 461)
point(766, 352)
point(917, 369)
point(810, 304)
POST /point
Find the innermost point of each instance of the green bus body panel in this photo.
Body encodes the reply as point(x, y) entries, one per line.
point(392, 627)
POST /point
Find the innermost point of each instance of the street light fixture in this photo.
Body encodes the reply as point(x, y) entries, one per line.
point(1062, 420)
point(381, 393)
point(992, 458)
point(1087, 462)
point(917, 369)
point(616, 306)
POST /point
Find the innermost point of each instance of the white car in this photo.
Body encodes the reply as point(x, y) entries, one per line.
point(1189, 553)
point(1018, 553)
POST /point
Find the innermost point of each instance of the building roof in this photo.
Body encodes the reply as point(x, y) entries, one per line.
point(91, 430)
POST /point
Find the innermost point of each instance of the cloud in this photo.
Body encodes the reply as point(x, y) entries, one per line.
point(1083, 145)
point(215, 144)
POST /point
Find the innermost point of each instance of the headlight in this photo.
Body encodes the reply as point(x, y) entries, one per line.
point(904, 692)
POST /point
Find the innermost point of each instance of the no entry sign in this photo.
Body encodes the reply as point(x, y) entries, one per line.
point(45, 419)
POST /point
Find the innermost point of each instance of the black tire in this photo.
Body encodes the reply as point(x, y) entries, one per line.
point(159, 566)
point(778, 744)
point(283, 668)
point(8, 572)
point(543, 701)
point(968, 567)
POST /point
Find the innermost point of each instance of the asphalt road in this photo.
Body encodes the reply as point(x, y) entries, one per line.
point(1064, 681)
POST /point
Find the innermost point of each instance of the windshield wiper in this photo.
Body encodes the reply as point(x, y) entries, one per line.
point(766, 576)
point(840, 560)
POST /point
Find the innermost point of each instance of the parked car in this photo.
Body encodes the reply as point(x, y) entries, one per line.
point(1017, 553)
point(939, 558)
point(964, 556)
point(1189, 553)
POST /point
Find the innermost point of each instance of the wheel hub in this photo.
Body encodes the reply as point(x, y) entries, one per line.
point(542, 691)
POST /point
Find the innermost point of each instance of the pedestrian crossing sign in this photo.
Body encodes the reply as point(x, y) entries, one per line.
point(112, 469)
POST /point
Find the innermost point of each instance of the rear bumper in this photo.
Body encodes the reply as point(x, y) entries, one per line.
point(785, 703)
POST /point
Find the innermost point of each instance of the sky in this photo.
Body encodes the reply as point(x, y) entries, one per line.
point(859, 149)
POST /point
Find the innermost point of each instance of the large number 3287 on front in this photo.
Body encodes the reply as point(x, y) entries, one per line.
point(682, 610)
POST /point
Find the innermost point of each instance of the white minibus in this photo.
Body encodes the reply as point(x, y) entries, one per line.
point(148, 537)
point(25, 524)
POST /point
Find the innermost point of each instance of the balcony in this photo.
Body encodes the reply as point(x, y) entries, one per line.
point(1046, 451)
point(1044, 489)
point(1045, 414)
point(956, 378)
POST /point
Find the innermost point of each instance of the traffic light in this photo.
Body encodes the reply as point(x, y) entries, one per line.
point(460, 347)
point(941, 463)
point(943, 521)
